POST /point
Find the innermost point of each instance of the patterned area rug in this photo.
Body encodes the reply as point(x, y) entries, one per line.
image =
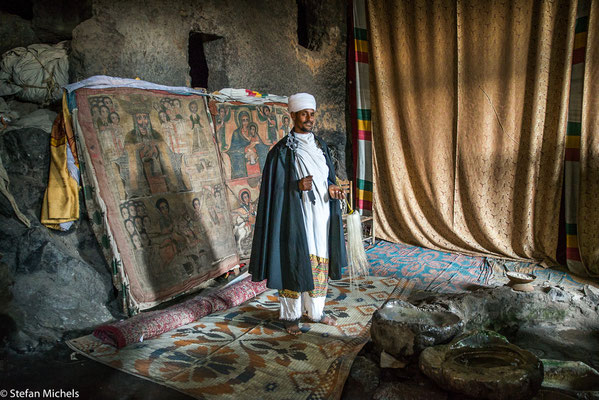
point(427, 269)
point(245, 351)
point(437, 271)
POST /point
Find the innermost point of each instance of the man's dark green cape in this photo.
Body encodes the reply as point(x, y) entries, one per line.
point(280, 247)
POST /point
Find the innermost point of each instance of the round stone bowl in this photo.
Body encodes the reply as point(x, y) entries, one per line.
point(520, 277)
point(520, 281)
point(403, 330)
point(485, 366)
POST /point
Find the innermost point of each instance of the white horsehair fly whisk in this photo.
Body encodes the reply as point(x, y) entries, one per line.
point(356, 255)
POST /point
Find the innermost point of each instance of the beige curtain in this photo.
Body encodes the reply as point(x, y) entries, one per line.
point(469, 114)
point(588, 212)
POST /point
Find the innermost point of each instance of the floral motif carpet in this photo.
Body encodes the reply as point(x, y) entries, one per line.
point(245, 352)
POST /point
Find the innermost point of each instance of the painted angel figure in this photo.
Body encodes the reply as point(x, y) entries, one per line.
point(265, 114)
point(223, 116)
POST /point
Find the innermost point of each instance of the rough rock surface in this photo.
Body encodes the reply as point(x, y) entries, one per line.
point(54, 21)
point(503, 309)
point(51, 281)
point(15, 31)
point(403, 330)
point(251, 45)
point(363, 379)
point(407, 391)
point(551, 322)
point(484, 365)
point(41, 21)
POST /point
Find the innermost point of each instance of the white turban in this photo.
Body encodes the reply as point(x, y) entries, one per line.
point(301, 101)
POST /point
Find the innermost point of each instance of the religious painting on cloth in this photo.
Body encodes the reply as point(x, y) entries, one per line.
point(244, 134)
point(154, 190)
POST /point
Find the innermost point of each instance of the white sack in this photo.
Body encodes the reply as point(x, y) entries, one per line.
point(35, 74)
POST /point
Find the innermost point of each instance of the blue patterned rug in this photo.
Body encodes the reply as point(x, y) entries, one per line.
point(437, 271)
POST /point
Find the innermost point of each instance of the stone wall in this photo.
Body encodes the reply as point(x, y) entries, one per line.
point(247, 44)
point(41, 21)
point(272, 46)
point(51, 282)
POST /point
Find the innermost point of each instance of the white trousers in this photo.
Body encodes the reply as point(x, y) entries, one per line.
point(292, 309)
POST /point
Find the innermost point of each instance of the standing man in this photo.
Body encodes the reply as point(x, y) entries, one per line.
point(298, 238)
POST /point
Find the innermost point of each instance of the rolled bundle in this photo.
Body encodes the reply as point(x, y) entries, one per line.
point(150, 324)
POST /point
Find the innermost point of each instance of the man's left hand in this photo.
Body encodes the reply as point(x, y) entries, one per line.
point(335, 192)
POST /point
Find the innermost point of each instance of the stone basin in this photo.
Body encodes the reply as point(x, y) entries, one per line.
point(483, 365)
point(403, 330)
point(573, 378)
point(550, 321)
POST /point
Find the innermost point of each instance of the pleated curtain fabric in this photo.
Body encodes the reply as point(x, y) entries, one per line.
point(588, 212)
point(469, 104)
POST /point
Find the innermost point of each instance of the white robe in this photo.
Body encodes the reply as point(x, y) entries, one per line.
point(310, 160)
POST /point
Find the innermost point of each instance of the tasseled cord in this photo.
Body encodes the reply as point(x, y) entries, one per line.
point(356, 255)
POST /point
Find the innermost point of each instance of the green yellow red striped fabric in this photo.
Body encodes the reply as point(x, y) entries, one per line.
point(360, 107)
point(572, 156)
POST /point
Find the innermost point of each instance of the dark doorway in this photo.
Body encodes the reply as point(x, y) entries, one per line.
point(197, 60)
point(303, 37)
point(311, 28)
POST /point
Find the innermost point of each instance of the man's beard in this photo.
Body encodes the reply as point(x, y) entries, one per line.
point(306, 129)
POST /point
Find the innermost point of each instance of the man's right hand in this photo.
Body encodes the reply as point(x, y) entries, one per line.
point(305, 183)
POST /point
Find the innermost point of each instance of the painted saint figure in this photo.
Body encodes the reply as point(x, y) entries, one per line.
point(108, 103)
point(255, 152)
point(199, 139)
point(150, 170)
point(197, 219)
point(117, 135)
point(173, 241)
point(286, 127)
point(239, 141)
point(223, 116)
point(271, 119)
point(245, 220)
point(110, 137)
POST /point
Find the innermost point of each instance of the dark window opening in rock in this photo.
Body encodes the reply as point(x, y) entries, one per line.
point(22, 8)
point(206, 61)
point(197, 60)
point(309, 25)
point(303, 38)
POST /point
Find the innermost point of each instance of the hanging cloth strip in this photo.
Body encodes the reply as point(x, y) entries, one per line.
point(60, 207)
